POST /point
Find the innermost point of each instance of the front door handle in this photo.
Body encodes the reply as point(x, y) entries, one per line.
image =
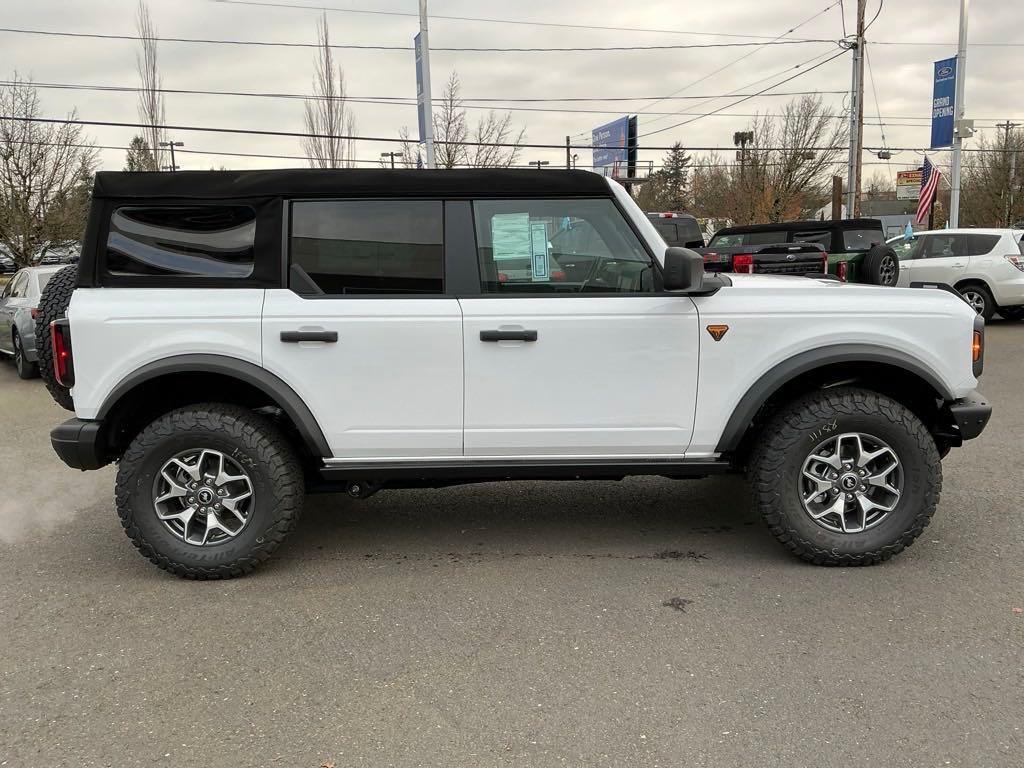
point(294, 337)
point(508, 335)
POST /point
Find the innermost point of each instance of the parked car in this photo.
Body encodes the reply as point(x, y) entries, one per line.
point(678, 229)
point(857, 251)
point(19, 303)
point(240, 337)
point(985, 265)
point(773, 259)
point(7, 265)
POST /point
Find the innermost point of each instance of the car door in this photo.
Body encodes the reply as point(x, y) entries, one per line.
point(587, 361)
point(365, 333)
point(942, 258)
point(9, 301)
point(906, 249)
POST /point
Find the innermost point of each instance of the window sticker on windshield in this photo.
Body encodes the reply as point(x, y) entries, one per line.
point(510, 235)
point(539, 262)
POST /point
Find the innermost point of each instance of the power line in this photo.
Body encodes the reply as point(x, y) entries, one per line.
point(490, 20)
point(388, 139)
point(747, 98)
point(404, 48)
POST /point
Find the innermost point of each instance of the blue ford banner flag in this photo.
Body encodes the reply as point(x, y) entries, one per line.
point(943, 103)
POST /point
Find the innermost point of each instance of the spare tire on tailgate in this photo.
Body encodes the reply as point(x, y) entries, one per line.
point(53, 305)
point(881, 266)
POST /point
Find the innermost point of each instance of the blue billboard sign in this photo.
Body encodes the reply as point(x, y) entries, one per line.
point(943, 103)
point(611, 146)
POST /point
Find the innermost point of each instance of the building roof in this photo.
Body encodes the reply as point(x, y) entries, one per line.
point(352, 182)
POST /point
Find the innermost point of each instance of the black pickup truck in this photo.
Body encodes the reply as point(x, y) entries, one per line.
point(769, 258)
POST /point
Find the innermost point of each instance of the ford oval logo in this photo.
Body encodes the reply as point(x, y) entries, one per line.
point(945, 72)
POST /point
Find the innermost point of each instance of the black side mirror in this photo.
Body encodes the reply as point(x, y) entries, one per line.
point(684, 270)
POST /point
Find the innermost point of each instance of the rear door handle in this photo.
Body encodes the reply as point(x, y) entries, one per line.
point(294, 337)
point(508, 335)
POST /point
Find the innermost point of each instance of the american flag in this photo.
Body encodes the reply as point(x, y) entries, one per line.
point(930, 176)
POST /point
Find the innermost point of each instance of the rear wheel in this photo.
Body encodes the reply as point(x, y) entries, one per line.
point(53, 305)
point(881, 266)
point(209, 491)
point(980, 299)
point(26, 370)
point(846, 477)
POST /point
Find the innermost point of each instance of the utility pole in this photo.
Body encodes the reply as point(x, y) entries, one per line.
point(172, 144)
point(837, 198)
point(568, 153)
point(959, 127)
point(853, 164)
point(426, 103)
point(1008, 127)
point(539, 163)
point(391, 155)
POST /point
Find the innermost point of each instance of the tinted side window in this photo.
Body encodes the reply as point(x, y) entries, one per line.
point(558, 246)
point(943, 246)
point(370, 246)
point(667, 230)
point(979, 245)
point(197, 241)
point(862, 239)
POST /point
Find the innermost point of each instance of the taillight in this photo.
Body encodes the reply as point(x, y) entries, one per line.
point(743, 262)
point(841, 271)
point(712, 258)
point(63, 364)
point(1016, 260)
point(34, 312)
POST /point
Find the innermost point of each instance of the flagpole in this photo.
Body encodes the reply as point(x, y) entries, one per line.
point(961, 77)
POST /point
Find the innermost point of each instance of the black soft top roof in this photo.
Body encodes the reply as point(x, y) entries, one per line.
point(789, 226)
point(354, 182)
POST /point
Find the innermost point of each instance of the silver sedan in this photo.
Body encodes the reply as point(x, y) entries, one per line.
point(18, 303)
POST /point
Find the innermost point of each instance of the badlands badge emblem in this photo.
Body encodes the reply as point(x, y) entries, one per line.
point(717, 331)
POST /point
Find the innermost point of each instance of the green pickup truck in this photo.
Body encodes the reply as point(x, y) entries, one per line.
point(856, 248)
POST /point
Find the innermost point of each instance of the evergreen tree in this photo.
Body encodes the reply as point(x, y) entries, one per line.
point(665, 189)
point(139, 156)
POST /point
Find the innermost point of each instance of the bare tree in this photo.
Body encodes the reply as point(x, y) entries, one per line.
point(327, 115)
point(45, 170)
point(151, 98)
point(493, 142)
point(992, 187)
point(785, 173)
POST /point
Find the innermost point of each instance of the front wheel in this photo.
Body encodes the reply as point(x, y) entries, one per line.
point(846, 476)
point(209, 491)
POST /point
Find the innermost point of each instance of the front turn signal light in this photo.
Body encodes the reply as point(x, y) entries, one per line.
point(977, 347)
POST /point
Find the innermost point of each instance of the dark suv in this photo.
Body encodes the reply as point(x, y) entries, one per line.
point(856, 248)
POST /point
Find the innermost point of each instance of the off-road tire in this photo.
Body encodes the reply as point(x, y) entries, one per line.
point(777, 460)
point(25, 369)
point(250, 439)
point(53, 305)
point(1012, 314)
point(881, 266)
point(980, 299)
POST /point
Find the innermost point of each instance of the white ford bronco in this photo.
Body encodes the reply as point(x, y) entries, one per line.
point(235, 339)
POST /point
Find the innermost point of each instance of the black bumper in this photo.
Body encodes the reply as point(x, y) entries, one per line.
point(970, 414)
point(80, 444)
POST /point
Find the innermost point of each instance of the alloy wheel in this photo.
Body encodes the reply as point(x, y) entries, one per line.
point(976, 300)
point(850, 483)
point(203, 497)
point(887, 270)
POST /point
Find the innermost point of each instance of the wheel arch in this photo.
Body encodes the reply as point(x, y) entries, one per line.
point(883, 370)
point(163, 385)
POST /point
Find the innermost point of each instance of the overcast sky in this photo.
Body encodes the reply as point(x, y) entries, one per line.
point(902, 73)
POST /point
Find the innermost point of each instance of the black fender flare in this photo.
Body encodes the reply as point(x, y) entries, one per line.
point(775, 378)
point(244, 371)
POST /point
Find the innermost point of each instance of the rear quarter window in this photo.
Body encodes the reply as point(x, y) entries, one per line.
point(980, 245)
point(213, 241)
point(862, 239)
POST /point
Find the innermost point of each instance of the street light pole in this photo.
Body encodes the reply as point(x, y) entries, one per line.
point(539, 163)
point(391, 155)
point(959, 129)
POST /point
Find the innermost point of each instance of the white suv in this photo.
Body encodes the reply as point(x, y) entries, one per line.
point(985, 265)
point(233, 340)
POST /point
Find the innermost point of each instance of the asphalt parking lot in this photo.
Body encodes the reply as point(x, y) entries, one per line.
point(646, 623)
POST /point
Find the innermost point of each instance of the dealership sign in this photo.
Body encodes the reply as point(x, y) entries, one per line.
point(908, 185)
point(943, 103)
